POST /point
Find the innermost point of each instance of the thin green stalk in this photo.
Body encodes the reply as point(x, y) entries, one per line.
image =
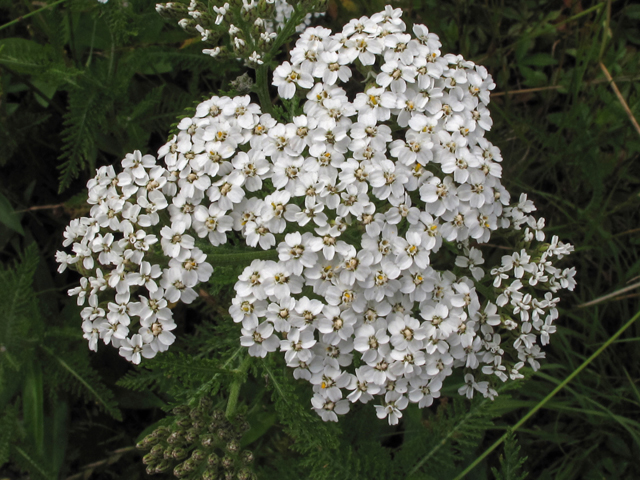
point(234, 392)
point(543, 402)
point(19, 19)
point(262, 88)
point(579, 15)
point(223, 259)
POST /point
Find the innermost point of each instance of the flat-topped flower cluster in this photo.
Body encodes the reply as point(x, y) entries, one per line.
point(377, 201)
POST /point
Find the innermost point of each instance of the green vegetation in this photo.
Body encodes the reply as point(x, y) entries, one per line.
point(83, 83)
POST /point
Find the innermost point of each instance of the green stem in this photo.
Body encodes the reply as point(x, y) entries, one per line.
point(19, 19)
point(579, 15)
point(234, 392)
point(543, 402)
point(224, 259)
point(262, 88)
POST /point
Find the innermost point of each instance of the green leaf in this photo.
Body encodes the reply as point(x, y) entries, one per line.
point(87, 379)
point(8, 216)
point(23, 56)
point(7, 424)
point(19, 313)
point(33, 407)
point(533, 78)
point(57, 434)
point(632, 12)
point(31, 463)
point(511, 462)
point(539, 60)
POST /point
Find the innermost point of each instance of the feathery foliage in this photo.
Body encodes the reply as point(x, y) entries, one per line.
point(511, 462)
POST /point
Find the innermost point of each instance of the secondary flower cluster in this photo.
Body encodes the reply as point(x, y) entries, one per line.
point(377, 203)
point(252, 25)
point(126, 284)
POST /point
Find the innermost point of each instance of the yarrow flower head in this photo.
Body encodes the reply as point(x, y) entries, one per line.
point(377, 204)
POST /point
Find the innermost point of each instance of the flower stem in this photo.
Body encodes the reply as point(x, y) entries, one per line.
point(262, 88)
point(19, 19)
point(234, 392)
point(224, 259)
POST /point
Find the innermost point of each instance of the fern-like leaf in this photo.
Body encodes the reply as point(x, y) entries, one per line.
point(82, 122)
point(306, 428)
point(7, 424)
point(453, 432)
point(31, 462)
point(74, 374)
point(19, 314)
point(511, 462)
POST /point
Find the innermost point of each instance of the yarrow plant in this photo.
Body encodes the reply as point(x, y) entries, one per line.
point(373, 202)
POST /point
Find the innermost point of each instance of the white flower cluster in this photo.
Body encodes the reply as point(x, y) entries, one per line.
point(372, 202)
point(264, 18)
point(123, 277)
point(386, 177)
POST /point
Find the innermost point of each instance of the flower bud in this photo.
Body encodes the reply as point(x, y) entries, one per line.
point(245, 474)
point(184, 422)
point(209, 475)
point(179, 471)
point(189, 465)
point(157, 451)
point(247, 457)
point(191, 435)
point(175, 437)
point(213, 460)
point(223, 434)
point(233, 446)
point(197, 455)
point(161, 432)
point(179, 453)
point(207, 440)
point(227, 462)
point(181, 411)
point(163, 466)
point(168, 453)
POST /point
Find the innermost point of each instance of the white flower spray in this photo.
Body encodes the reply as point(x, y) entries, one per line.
point(372, 208)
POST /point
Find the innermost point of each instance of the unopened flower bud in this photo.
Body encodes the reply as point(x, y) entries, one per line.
point(179, 453)
point(197, 455)
point(213, 460)
point(179, 471)
point(209, 475)
point(233, 446)
point(247, 457)
point(227, 462)
point(163, 466)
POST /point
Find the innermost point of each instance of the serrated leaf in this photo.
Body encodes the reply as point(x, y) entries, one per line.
point(22, 55)
point(94, 390)
point(31, 463)
point(7, 424)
